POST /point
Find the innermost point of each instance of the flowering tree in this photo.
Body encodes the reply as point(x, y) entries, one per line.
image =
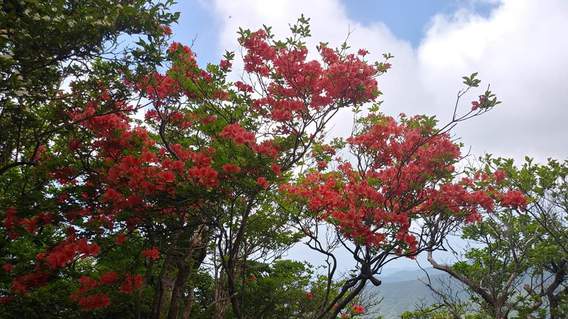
point(195, 172)
point(398, 195)
point(151, 179)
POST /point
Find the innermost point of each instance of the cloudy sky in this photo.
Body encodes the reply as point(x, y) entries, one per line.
point(520, 47)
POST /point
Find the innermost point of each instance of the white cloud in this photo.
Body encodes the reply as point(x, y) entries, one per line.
point(519, 49)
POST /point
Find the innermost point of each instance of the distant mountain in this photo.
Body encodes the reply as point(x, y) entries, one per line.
point(402, 291)
point(408, 275)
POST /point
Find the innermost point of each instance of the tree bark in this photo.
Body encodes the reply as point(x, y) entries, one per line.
point(221, 298)
point(193, 255)
point(177, 291)
point(165, 288)
point(188, 306)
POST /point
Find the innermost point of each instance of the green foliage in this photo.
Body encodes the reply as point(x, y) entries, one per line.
point(438, 312)
point(519, 260)
point(55, 56)
point(44, 45)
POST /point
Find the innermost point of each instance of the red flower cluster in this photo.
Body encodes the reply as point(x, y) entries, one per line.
point(305, 85)
point(262, 182)
point(166, 29)
point(514, 199)
point(243, 87)
point(92, 302)
point(231, 168)
point(499, 175)
point(159, 86)
point(66, 252)
point(225, 65)
point(358, 309)
point(238, 135)
point(266, 148)
point(259, 52)
point(7, 267)
point(21, 284)
point(131, 283)
point(12, 221)
point(409, 173)
point(85, 297)
point(205, 175)
point(108, 278)
point(152, 253)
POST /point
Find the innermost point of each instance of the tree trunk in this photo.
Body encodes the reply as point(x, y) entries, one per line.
point(233, 295)
point(191, 257)
point(553, 306)
point(221, 298)
point(164, 289)
point(345, 301)
point(177, 292)
point(188, 306)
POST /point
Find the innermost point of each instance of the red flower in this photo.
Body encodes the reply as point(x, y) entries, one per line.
point(266, 148)
point(514, 199)
point(277, 169)
point(500, 175)
point(358, 309)
point(29, 224)
point(231, 169)
point(473, 217)
point(131, 283)
point(152, 253)
point(109, 277)
point(205, 175)
point(21, 284)
point(474, 105)
point(88, 249)
point(309, 296)
point(262, 182)
point(7, 267)
point(95, 301)
point(166, 29)
point(120, 239)
point(19, 287)
point(238, 135)
point(11, 218)
point(243, 87)
point(87, 283)
point(225, 65)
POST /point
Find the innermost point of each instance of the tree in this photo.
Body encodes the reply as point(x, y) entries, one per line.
point(397, 197)
point(145, 217)
point(55, 56)
point(203, 165)
point(519, 257)
point(546, 186)
point(449, 300)
point(47, 44)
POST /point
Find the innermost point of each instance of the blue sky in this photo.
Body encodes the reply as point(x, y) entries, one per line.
point(406, 19)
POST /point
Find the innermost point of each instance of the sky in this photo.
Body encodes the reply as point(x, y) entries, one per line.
point(520, 47)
